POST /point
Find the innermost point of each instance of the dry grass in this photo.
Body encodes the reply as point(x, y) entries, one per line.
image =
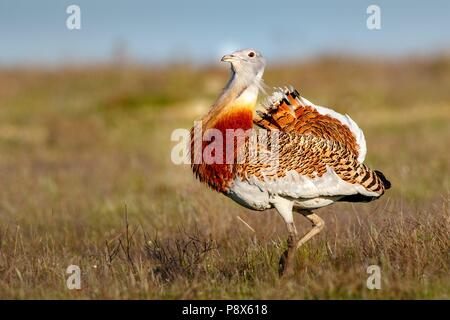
point(87, 179)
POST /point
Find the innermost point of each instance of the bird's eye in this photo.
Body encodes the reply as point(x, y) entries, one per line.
point(251, 54)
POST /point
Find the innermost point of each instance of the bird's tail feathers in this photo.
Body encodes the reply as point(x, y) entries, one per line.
point(384, 180)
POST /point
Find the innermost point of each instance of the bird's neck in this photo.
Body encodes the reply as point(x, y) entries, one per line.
point(235, 106)
point(233, 110)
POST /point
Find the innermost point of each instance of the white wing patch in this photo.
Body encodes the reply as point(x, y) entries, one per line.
point(308, 192)
point(295, 186)
point(313, 192)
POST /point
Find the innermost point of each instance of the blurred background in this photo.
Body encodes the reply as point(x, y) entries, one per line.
point(85, 122)
point(201, 31)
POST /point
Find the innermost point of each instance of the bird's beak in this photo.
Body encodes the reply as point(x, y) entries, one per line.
point(228, 58)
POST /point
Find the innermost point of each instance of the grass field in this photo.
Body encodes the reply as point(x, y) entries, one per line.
point(86, 179)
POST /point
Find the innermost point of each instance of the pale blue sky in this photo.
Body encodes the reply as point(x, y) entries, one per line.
point(154, 31)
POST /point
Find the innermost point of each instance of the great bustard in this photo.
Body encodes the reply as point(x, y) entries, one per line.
point(318, 160)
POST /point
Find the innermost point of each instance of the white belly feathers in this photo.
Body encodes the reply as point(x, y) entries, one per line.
point(308, 193)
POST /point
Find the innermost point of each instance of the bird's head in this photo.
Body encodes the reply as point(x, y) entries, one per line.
point(247, 62)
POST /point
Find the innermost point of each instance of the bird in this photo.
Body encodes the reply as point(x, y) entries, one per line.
point(317, 158)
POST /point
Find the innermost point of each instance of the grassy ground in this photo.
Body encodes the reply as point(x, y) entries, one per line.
point(86, 179)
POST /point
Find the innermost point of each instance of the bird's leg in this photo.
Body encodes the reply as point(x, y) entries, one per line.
point(318, 225)
point(284, 208)
point(286, 264)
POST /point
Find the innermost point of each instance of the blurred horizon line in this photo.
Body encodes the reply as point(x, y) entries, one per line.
point(129, 61)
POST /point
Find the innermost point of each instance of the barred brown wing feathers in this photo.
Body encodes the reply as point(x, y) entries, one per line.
point(279, 118)
point(266, 121)
point(329, 164)
point(286, 110)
